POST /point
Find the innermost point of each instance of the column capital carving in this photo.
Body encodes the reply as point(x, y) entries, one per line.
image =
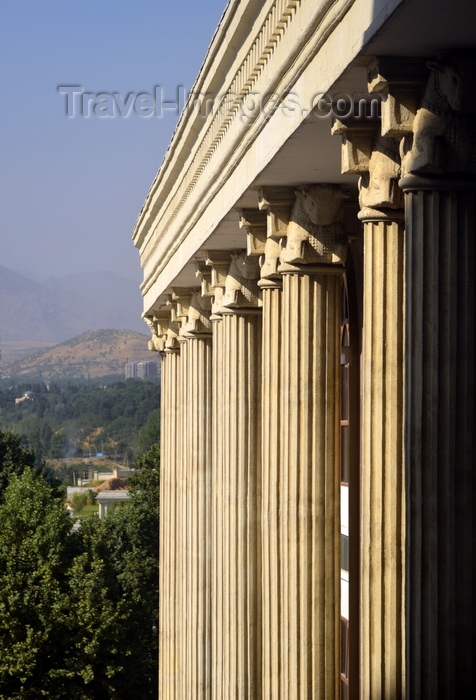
point(241, 287)
point(254, 221)
point(169, 330)
point(172, 343)
point(358, 137)
point(270, 277)
point(181, 298)
point(278, 203)
point(219, 262)
point(204, 274)
point(198, 317)
point(158, 329)
point(400, 81)
point(444, 137)
point(316, 233)
point(378, 187)
point(269, 197)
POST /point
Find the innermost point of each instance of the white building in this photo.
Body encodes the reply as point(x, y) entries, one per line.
point(309, 281)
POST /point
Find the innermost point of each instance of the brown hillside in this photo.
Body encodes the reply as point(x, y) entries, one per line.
point(91, 354)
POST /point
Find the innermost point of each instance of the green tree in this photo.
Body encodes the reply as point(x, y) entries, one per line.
point(115, 591)
point(37, 548)
point(149, 433)
point(78, 610)
point(14, 458)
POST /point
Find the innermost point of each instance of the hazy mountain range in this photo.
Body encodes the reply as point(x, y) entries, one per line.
point(63, 307)
point(93, 354)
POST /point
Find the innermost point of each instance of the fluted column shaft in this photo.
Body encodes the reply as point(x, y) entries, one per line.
point(237, 563)
point(271, 456)
point(196, 459)
point(217, 602)
point(440, 434)
point(168, 610)
point(309, 525)
point(182, 515)
point(382, 609)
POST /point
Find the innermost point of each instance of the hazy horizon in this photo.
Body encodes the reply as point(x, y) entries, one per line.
point(73, 186)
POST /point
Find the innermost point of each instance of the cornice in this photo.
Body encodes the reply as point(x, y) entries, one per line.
point(172, 216)
point(170, 193)
point(218, 61)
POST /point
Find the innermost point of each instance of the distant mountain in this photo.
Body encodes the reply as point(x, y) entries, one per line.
point(92, 354)
point(65, 306)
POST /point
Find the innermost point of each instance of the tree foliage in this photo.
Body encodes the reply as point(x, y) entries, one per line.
point(78, 609)
point(37, 549)
point(67, 419)
point(15, 458)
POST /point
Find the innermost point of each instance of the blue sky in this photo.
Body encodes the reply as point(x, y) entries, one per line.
point(71, 188)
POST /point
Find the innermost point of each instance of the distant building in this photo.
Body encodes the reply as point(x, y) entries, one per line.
point(106, 499)
point(141, 370)
point(27, 396)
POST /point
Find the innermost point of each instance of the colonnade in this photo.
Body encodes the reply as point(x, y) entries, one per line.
point(251, 447)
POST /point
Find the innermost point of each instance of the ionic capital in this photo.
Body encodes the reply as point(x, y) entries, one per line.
point(316, 233)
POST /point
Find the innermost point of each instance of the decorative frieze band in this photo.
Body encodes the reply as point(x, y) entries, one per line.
point(259, 54)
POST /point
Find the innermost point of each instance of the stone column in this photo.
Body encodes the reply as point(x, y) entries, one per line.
point(179, 478)
point(213, 273)
point(382, 621)
point(277, 203)
point(193, 478)
point(309, 527)
point(164, 341)
point(271, 387)
point(237, 467)
point(196, 458)
point(440, 210)
point(440, 427)
point(382, 494)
